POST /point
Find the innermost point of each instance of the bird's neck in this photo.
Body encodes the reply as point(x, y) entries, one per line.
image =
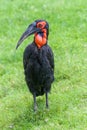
point(41, 38)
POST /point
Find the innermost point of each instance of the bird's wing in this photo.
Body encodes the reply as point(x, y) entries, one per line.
point(26, 55)
point(50, 57)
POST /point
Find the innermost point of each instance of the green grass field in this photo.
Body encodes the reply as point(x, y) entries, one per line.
point(68, 40)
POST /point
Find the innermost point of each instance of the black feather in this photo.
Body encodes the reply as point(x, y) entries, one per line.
point(39, 68)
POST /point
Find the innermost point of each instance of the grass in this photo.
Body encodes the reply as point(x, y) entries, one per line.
point(68, 39)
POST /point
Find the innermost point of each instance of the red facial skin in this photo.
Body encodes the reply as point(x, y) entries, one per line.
point(41, 40)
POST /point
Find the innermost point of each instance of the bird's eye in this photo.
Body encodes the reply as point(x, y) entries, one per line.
point(39, 25)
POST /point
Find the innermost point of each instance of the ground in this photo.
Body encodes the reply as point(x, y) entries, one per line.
point(68, 40)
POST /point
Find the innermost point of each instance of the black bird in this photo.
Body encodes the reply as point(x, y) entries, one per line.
point(38, 60)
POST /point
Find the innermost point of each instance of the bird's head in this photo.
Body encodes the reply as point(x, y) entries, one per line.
point(40, 29)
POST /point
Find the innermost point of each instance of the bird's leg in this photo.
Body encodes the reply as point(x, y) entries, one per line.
point(47, 105)
point(35, 105)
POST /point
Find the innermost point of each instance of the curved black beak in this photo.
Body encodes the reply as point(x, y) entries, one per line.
point(29, 31)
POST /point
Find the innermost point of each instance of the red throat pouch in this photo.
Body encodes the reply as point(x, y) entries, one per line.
point(40, 40)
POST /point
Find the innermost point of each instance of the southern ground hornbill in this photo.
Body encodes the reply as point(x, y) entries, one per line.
point(38, 60)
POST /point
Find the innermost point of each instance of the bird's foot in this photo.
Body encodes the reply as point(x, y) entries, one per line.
point(47, 106)
point(35, 108)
